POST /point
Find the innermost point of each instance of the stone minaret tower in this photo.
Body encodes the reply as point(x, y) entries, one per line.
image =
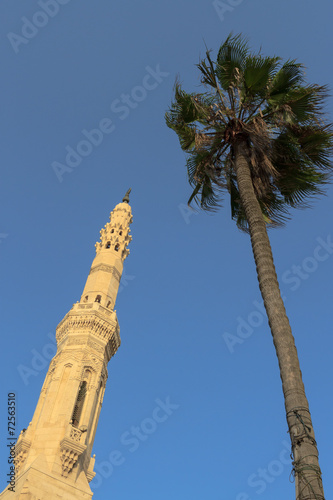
point(53, 455)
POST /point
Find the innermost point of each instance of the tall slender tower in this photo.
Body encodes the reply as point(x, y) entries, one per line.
point(53, 455)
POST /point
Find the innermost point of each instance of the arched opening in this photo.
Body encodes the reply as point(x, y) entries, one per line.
point(98, 298)
point(108, 244)
point(79, 404)
point(120, 233)
point(116, 247)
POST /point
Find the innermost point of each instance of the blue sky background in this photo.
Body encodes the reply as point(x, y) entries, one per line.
point(190, 277)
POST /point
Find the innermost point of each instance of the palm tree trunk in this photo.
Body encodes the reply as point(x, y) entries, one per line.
point(306, 468)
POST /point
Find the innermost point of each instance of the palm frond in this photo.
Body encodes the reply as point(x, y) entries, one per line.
point(210, 199)
point(188, 108)
point(299, 188)
point(312, 145)
point(301, 105)
point(231, 60)
point(194, 193)
point(205, 195)
point(208, 71)
point(306, 102)
point(316, 144)
point(290, 75)
point(258, 73)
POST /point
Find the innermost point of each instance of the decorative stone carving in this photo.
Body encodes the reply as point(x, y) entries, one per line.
point(116, 232)
point(90, 362)
point(21, 452)
point(76, 341)
point(113, 345)
point(96, 361)
point(70, 450)
point(75, 434)
point(101, 267)
point(96, 346)
point(107, 269)
point(102, 329)
point(105, 311)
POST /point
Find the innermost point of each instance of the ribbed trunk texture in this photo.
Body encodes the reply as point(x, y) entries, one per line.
point(304, 449)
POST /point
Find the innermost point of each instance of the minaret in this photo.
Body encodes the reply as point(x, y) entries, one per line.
point(53, 455)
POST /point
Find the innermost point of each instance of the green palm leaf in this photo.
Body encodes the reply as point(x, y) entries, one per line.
point(290, 75)
point(258, 73)
point(265, 101)
point(231, 60)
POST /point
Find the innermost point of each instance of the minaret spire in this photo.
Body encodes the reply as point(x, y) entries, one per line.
point(53, 455)
point(126, 197)
point(111, 251)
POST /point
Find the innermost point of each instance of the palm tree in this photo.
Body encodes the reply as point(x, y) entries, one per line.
point(257, 131)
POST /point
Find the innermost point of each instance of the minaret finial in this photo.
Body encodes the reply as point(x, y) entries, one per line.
point(126, 197)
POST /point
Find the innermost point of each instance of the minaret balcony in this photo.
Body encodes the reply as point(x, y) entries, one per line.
point(71, 448)
point(92, 319)
point(95, 306)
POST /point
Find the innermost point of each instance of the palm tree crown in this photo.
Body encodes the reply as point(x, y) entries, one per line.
point(268, 104)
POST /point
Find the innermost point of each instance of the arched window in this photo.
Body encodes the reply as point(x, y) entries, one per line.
point(108, 305)
point(112, 230)
point(79, 404)
point(116, 247)
point(108, 244)
point(86, 298)
point(120, 233)
point(98, 298)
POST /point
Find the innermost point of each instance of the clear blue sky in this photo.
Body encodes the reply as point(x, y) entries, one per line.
point(190, 278)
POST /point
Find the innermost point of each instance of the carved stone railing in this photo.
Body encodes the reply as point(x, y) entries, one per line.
point(71, 449)
point(84, 306)
point(75, 434)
